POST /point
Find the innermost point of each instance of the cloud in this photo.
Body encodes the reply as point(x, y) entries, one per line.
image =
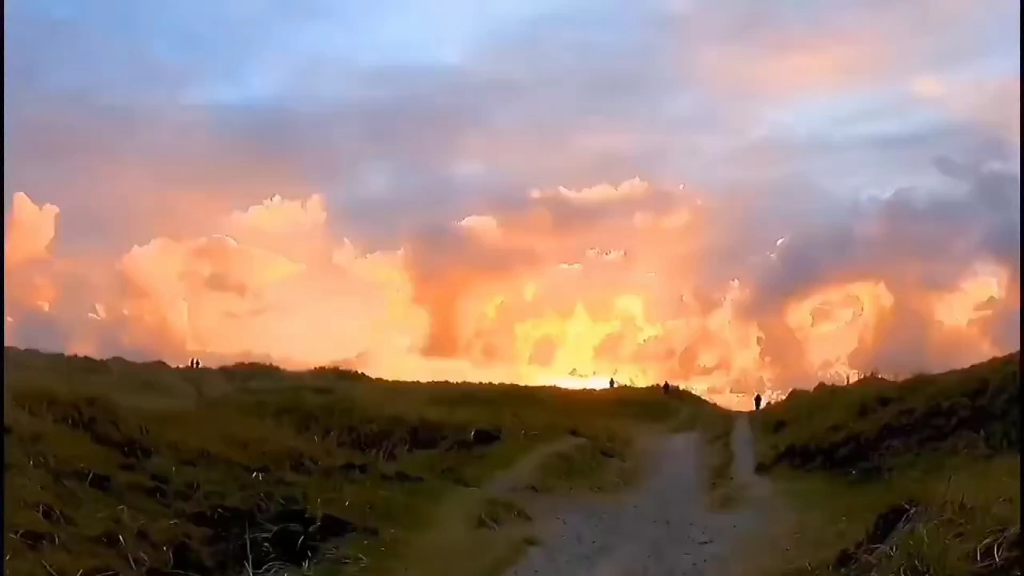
point(991, 103)
point(937, 258)
point(599, 194)
point(567, 295)
point(554, 195)
point(29, 231)
point(787, 52)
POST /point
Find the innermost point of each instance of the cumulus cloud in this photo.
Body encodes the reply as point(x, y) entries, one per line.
point(568, 296)
point(29, 231)
point(938, 259)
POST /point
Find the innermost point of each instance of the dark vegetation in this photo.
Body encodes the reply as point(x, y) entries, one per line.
point(114, 467)
point(926, 470)
point(721, 489)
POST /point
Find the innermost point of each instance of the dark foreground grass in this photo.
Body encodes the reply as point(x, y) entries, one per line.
point(605, 464)
point(118, 467)
point(914, 477)
point(722, 491)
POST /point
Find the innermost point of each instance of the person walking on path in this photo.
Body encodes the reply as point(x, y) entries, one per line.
point(757, 402)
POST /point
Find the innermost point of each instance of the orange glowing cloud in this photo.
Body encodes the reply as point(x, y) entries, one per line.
point(833, 322)
point(28, 234)
point(573, 289)
point(966, 309)
point(602, 193)
point(960, 307)
point(29, 231)
point(277, 287)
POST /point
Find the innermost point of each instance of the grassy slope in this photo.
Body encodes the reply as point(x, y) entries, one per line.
point(854, 460)
point(117, 466)
point(721, 489)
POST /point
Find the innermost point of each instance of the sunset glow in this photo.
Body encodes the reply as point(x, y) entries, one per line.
point(730, 209)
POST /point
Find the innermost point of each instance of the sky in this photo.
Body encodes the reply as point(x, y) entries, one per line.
point(736, 196)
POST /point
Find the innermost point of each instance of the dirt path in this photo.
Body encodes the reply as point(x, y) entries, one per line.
point(663, 527)
point(757, 488)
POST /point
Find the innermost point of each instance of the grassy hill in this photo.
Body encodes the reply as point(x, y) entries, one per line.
point(128, 468)
point(118, 467)
point(919, 476)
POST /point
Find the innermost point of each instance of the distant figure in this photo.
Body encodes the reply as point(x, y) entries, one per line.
point(194, 363)
point(757, 402)
point(665, 387)
point(611, 383)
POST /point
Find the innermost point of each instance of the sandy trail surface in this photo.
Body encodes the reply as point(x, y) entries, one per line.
point(662, 527)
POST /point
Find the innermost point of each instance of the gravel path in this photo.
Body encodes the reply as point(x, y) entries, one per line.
point(663, 527)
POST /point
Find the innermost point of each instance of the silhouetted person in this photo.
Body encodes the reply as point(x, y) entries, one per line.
point(757, 401)
point(664, 387)
point(611, 383)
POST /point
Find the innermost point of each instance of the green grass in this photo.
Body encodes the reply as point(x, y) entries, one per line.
point(108, 463)
point(946, 444)
point(856, 428)
point(604, 464)
point(722, 490)
point(960, 504)
point(472, 533)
